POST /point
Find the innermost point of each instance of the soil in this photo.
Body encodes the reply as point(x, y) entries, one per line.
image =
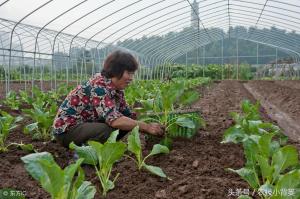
point(196, 167)
point(285, 95)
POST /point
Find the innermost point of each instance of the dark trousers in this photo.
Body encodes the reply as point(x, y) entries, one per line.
point(87, 131)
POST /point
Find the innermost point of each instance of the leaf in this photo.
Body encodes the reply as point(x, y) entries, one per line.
point(157, 149)
point(155, 170)
point(285, 157)
point(32, 165)
point(134, 142)
point(78, 181)
point(265, 168)
point(88, 153)
point(69, 173)
point(27, 147)
point(167, 141)
point(233, 134)
point(18, 119)
point(185, 122)
point(250, 150)
point(43, 168)
point(264, 144)
point(189, 97)
point(289, 181)
point(254, 126)
point(266, 190)
point(248, 175)
point(113, 136)
point(111, 152)
point(31, 127)
point(85, 191)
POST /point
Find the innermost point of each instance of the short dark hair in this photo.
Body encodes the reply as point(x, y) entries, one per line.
point(117, 62)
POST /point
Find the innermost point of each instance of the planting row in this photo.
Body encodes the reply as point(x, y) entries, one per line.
point(62, 183)
point(156, 99)
point(272, 168)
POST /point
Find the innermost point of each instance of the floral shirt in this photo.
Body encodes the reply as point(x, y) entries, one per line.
point(95, 101)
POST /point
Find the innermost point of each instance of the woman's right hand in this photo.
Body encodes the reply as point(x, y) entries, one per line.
point(155, 129)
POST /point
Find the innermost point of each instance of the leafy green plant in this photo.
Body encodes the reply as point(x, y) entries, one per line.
point(167, 98)
point(59, 183)
point(134, 146)
point(25, 147)
point(107, 154)
point(271, 166)
point(25, 97)
point(7, 123)
point(43, 118)
point(12, 100)
point(86, 152)
point(270, 169)
point(249, 123)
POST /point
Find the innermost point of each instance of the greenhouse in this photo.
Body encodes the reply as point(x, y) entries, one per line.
point(161, 99)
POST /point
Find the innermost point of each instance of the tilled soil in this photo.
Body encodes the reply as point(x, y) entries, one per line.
point(196, 167)
point(285, 95)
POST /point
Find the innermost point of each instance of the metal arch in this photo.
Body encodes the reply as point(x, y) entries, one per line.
point(151, 20)
point(53, 47)
point(131, 14)
point(284, 49)
point(55, 18)
point(146, 44)
point(12, 33)
point(192, 31)
point(181, 43)
point(159, 23)
point(289, 50)
point(4, 3)
point(152, 25)
point(101, 6)
point(282, 14)
point(106, 17)
point(134, 45)
point(274, 17)
point(243, 20)
point(139, 20)
point(180, 39)
point(262, 10)
point(199, 20)
point(229, 19)
point(177, 54)
point(152, 31)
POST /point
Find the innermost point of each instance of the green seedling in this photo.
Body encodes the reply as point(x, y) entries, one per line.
point(134, 146)
point(7, 123)
point(59, 183)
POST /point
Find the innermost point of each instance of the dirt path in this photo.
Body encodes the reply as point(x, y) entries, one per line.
point(196, 167)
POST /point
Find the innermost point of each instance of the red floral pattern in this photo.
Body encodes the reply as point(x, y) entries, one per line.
point(96, 100)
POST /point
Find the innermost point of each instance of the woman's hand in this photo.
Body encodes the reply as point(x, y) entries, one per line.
point(155, 129)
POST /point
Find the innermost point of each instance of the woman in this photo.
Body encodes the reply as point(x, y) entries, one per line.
point(96, 108)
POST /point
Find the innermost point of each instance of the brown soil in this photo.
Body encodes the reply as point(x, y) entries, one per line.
point(289, 83)
point(196, 167)
point(285, 95)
